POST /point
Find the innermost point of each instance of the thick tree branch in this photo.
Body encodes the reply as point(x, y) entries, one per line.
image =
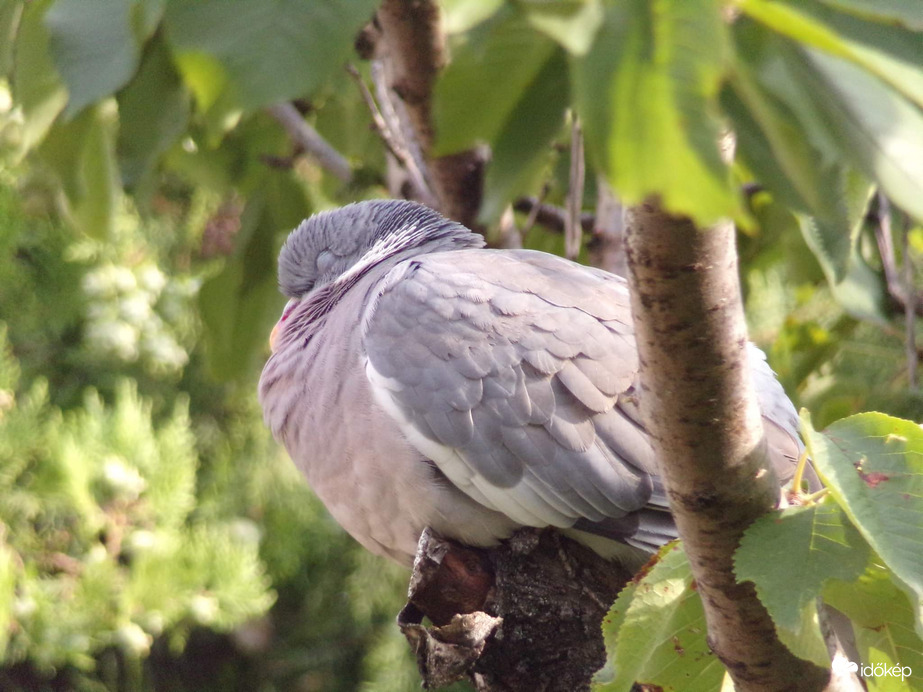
point(412, 46)
point(525, 615)
point(700, 407)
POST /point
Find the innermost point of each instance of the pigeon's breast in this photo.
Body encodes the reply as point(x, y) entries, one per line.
point(318, 403)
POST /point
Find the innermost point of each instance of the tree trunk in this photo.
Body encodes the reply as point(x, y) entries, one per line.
point(701, 410)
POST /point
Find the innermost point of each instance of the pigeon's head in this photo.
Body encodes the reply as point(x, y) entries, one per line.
point(359, 236)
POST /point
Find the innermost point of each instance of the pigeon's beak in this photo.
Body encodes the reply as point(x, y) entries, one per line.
point(274, 334)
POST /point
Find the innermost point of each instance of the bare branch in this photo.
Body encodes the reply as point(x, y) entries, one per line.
point(413, 50)
point(699, 404)
point(510, 236)
point(550, 216)
point(388, 126)
point(886, 249)
point(308, 139)
point(910, 344)
point(607, 247)
point(573, 232)
point(901, 292)
point(532, 216)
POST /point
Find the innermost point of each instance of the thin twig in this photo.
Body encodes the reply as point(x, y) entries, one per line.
point(886, 249)
point(387, 124)
point(534, 211)
point(551, 216)
point(900, 283)
point(309, 140)
point(607, 246)
point(573, 231)
point(909, 311)
point(901, 293)
point(395, 114)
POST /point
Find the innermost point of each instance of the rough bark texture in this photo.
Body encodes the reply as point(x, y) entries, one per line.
point(526, 615)
point(700, 407)
point(413, 47)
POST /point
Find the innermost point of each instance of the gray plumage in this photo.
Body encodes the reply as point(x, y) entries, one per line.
point(421, 380)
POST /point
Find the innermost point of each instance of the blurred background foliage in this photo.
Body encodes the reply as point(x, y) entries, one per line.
point(152, 535)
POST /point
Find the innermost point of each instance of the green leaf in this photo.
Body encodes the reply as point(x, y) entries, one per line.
point(37, 86)
point(94, 47)
point(82, 154)
point(237, 314)
point(487, 78)
point(880, 130)
point(572, 23)
point(908, 13)
point(758, 153)
point(892, 53)
point(789, 556)
point(873, 465)
point(147, 16)
point(834, 240)
point(241, 303)
point(861, 290)
point(883, 621)
point(10, 16)
point(269, 51)
point(661, 636)
point(153, 112)
point(660, 135)
point(8, 562)
point(522, 147)
point(343, 118)
point(464, 15)
point(782, 128)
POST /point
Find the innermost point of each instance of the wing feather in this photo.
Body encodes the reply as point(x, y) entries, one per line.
point(505, 364)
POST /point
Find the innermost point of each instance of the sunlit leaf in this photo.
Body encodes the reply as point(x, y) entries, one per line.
point(572, 23)
point(661, 631)
point(94, 47)
point(464, 15)
point(662, 81)
point(892, 53)
point(789, 556)
point(783, 133)
point(906, 12)
point(873, 464)
point(883, 621)
point(882, 131)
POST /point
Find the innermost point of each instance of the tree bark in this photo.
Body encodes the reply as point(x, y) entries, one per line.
point(525, 615)
point(701, 410)
point(413, 48)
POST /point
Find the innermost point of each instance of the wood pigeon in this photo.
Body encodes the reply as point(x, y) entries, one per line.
point(420, 380)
